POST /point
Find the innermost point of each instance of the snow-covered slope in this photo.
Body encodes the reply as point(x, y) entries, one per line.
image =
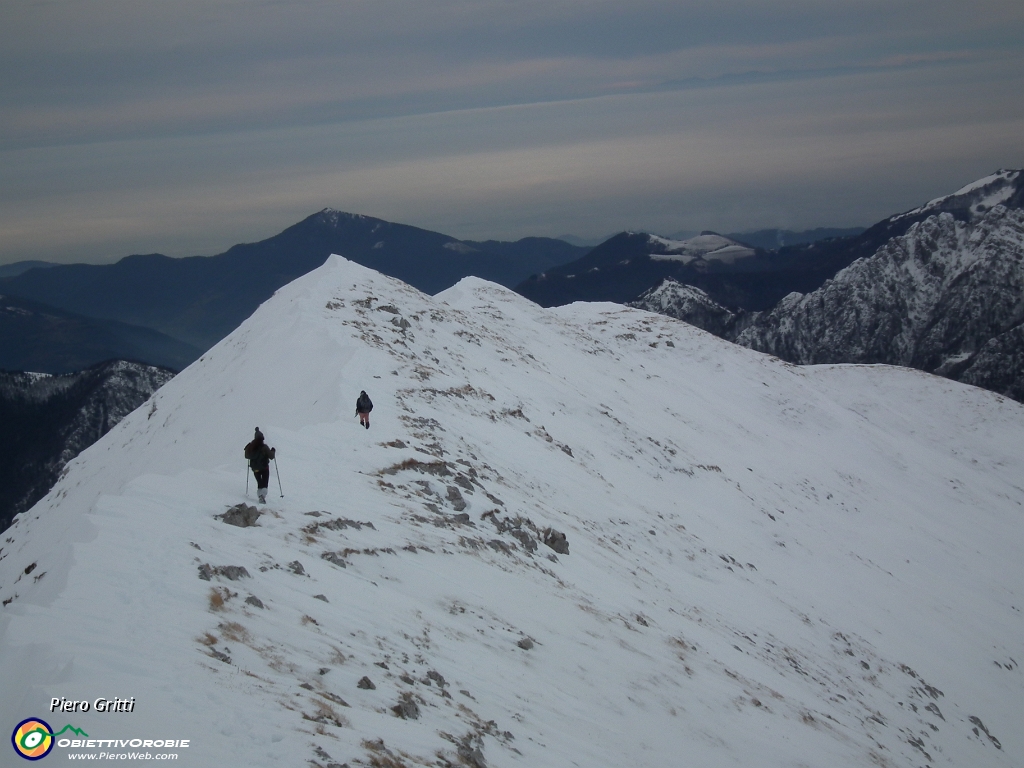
point(1004, 187)
point(767, 565)
point(708, 246)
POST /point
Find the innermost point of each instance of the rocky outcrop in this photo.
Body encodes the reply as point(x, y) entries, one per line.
point(692, 305)
point(947, 297)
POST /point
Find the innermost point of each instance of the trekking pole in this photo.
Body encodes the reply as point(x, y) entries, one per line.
point(247, 480)
point(278, 471)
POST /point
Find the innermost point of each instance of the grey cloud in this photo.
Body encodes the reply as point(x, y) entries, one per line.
point(488, 118)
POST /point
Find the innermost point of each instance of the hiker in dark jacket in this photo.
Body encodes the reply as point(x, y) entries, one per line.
point(363, 408)
point(259, 456)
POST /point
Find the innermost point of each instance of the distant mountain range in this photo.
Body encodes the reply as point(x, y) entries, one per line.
point(10, 270)
point(197, 301)
point(751, 275)
point(167, 312)
point(773, 239)
point(623, 267)
point(44, 339)
point(767, 239)
point(46, 421)
point(944, 295)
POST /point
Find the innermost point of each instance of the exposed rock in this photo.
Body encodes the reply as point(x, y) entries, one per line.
point(556, 540)
point(229, 572)
point(241, 515)
point(253, 600)
point(322, 754)
point(336, 524)
point(978, 724)
point(470, 752)
point(366, 684)
point(520, 528)
point(335, 557)
point(455, 498)
point(526, 644)
point(499, 546)
point(296, 567)
point(529, 543)
point(407, 708)
point(335, 698)
point(436, 468)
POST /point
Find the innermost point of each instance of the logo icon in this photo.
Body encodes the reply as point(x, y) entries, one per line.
point(33, 738)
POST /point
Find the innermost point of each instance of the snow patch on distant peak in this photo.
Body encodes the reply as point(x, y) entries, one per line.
point(1003, 175)
point(708, 246)
point(981, 195)
point(334, 216)
point(459, 247)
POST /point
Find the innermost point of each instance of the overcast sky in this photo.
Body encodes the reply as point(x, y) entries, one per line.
point(185, 126)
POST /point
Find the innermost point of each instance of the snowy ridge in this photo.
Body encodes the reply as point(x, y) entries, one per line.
point(707, 246)
point(978, 197)
point(768, 565)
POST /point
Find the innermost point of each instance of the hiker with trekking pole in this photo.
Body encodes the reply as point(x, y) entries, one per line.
point(260, 455)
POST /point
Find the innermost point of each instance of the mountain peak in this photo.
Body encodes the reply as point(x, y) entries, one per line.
point(1005, 186)
point(334, 217)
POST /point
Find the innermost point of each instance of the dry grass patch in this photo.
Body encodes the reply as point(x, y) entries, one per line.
point(232, 630)
point(218, 597)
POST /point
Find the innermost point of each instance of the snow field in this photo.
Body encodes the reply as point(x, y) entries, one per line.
point(768, 565)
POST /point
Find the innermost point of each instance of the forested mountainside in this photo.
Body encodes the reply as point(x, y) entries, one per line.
point(45, 421)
